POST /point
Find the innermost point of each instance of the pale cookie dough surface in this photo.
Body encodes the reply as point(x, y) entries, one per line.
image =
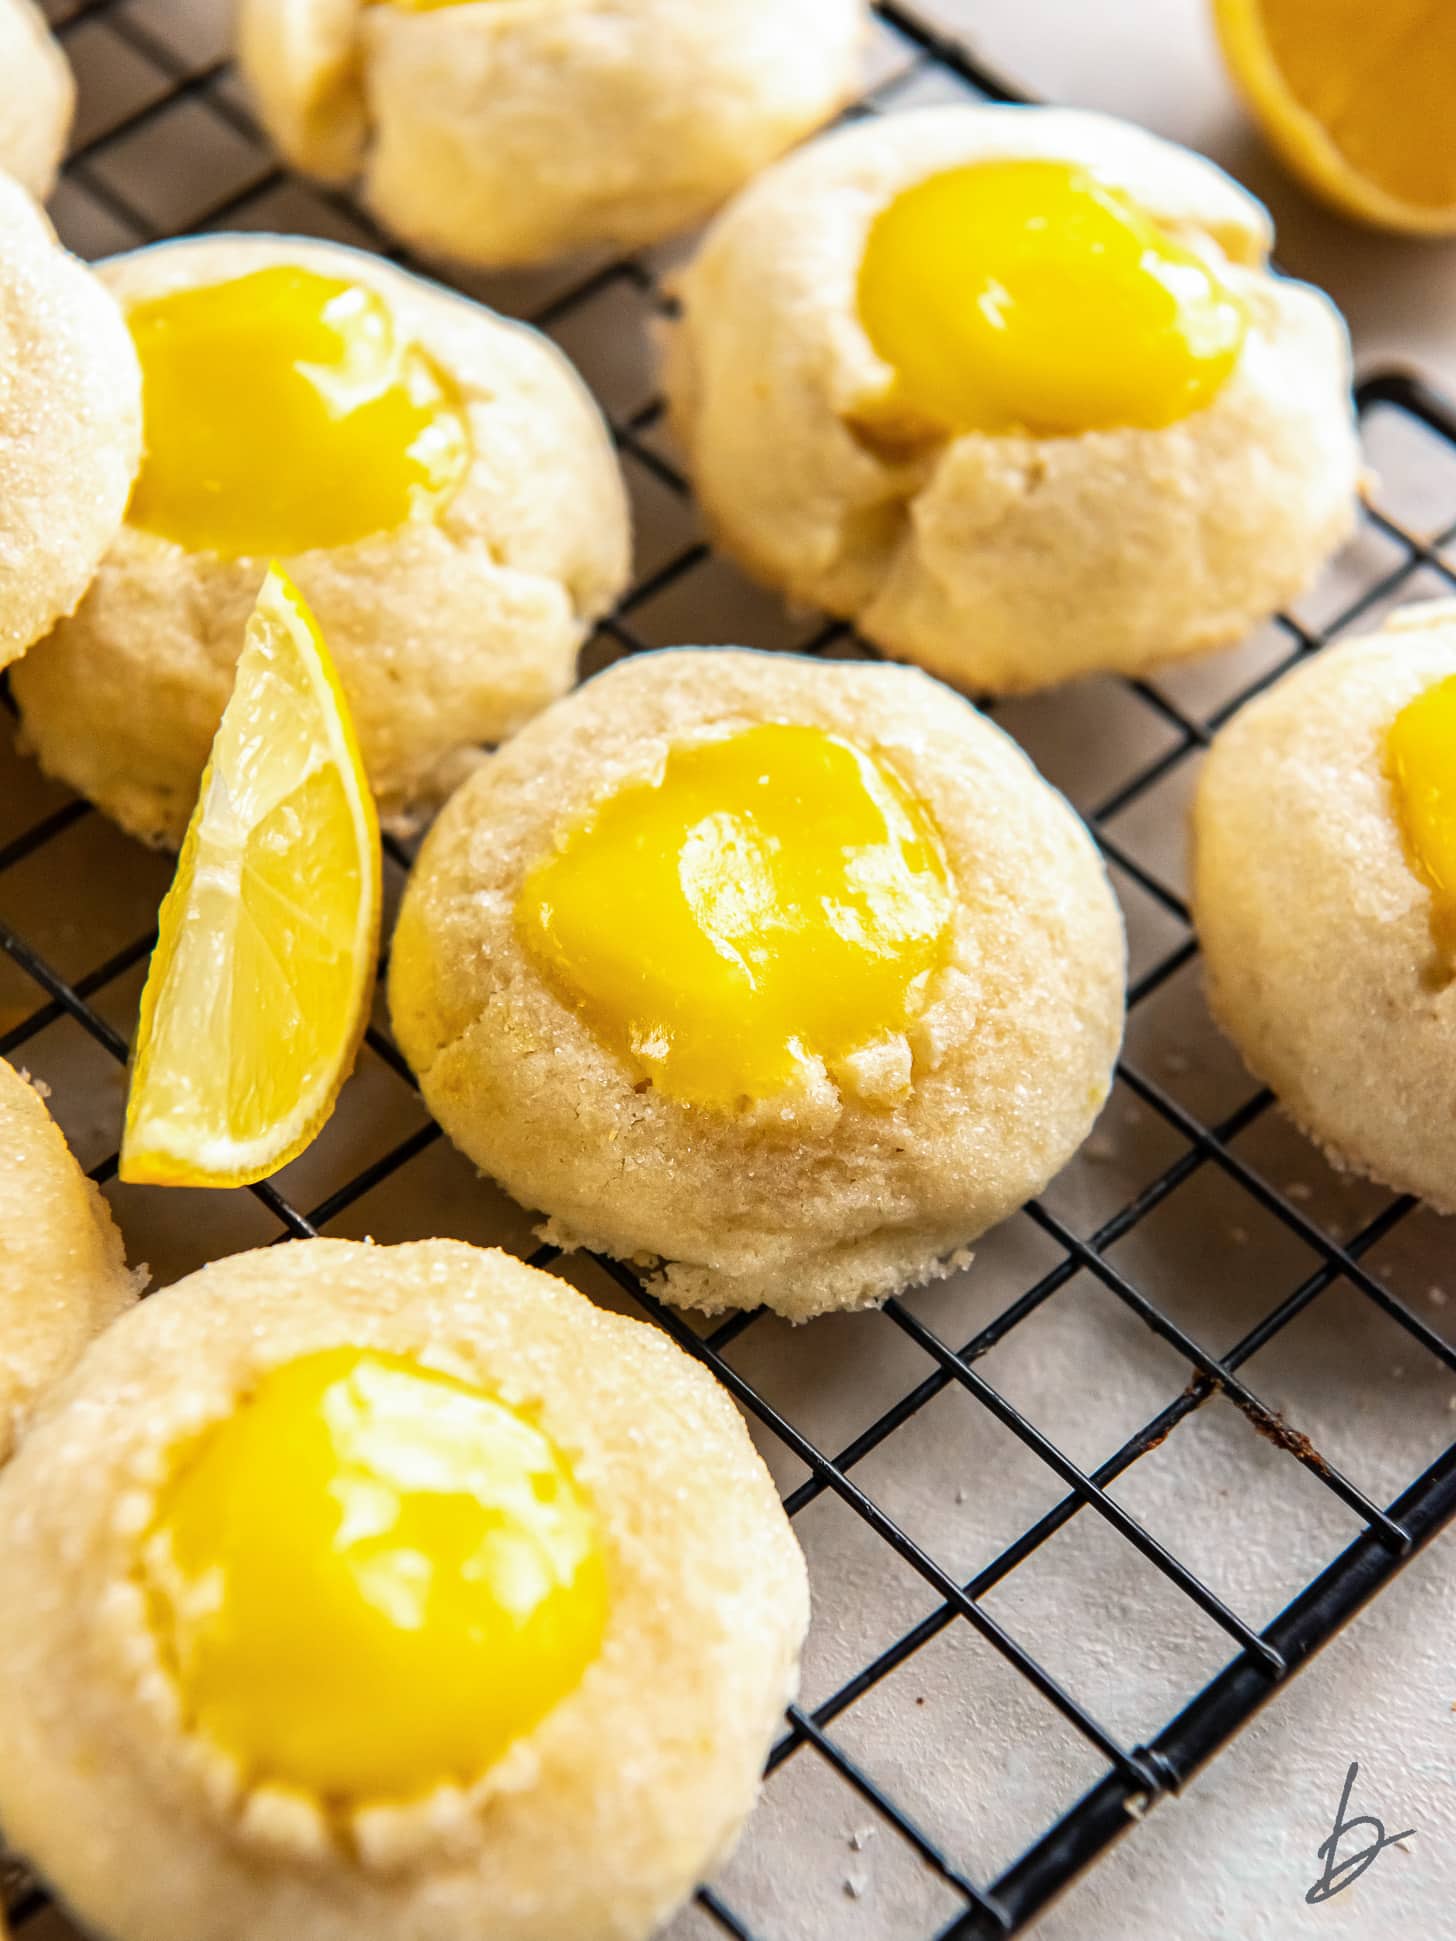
point(70, 421)
point(448, 631)
point(515, 130)
point(63, 1275)
point(593, 1826)
point(1003, 562)
point(879, 1176)
point(1316, 931)
point(37, 97)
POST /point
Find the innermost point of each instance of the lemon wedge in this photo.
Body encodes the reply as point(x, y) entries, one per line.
point(259, 986)
point(1355, 95)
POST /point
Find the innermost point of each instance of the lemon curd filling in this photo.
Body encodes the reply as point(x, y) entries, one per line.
point(372, 1578)
point(1029, 296)
point(773, 896)
point(284, 411)
point(1421, 758)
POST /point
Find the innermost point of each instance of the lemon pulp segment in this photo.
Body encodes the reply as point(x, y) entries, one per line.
point(1030, 296)
point(372, 1578)
point(1421, 757)
point(256, 996)
point(773, 895)
point(1357, 98)
point(284, 411)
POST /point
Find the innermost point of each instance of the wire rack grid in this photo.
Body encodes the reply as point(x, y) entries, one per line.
point(164, 146)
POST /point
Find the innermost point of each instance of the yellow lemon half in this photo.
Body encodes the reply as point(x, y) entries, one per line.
point(258, 989)
point(1356, 97)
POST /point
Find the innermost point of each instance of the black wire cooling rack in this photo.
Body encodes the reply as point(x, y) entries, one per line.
point(165, 146)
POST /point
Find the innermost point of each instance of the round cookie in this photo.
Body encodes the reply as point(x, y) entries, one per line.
point(1005, 559)
point(63, 1275)
point(37, 97)
point(868, 1169)
point(450, 626)
point(1322, 944)
point(70, 423)
point(511, 132)
point(642, 1772)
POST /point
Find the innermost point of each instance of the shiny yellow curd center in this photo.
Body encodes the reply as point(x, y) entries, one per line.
point(284, 411)
point(772, 896)
point(372, 1578)
point(1421, 756)
point(1029, 296)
